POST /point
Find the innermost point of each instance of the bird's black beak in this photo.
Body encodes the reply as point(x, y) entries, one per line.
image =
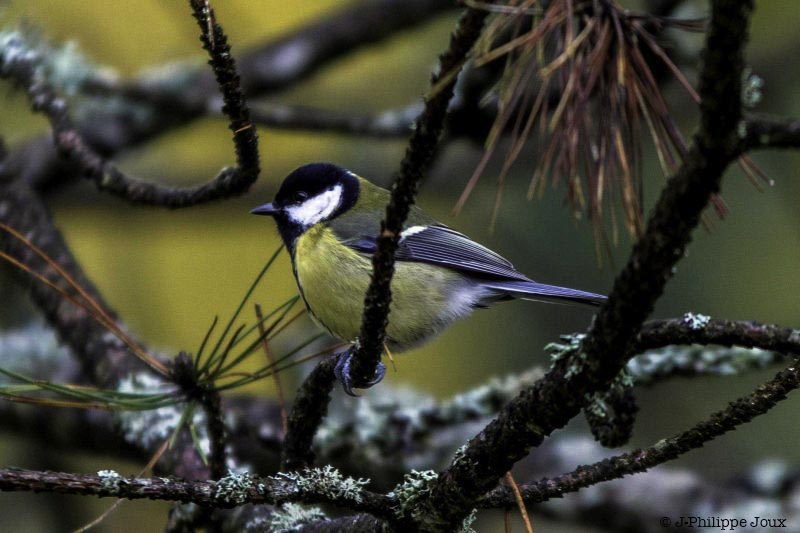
point(266, 209)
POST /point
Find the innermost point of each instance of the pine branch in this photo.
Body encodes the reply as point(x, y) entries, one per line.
point(559, 396)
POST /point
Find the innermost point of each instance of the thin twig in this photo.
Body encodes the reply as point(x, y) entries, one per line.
point(520, 502)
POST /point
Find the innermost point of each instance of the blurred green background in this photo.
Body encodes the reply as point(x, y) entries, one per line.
point(168, 273)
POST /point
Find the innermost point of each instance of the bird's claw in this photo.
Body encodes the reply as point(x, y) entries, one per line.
point(342, 373)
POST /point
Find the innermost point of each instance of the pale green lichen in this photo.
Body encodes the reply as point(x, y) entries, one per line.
point(466, 524)
point(412, 493)
point(662, 445)
point(171, 77)
point(64, 67)
point(559, 350)
point(372, 424)
point(111, 480)
point(752, 85)
point(16, 47)
point(68, 71)
point(676, 360)
point(258, 524)
point(236, 488)
point(597, 403)
point(569, 348)
point(623, 379)
point(460, 454)
point(326, 481)
point(696, 321)
point(290, 517)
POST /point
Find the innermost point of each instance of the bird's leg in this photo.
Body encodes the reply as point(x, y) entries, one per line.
point(342, 372)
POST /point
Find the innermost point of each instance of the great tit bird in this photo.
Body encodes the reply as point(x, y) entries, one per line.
point(329, 218)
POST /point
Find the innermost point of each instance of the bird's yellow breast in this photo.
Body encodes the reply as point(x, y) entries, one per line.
point(333, 280)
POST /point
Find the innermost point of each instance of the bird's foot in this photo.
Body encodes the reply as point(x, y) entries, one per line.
point(342, 373)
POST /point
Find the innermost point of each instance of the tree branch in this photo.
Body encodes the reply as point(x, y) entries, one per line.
point(154, 104)
point(758, 133)
point(738, 412)
point(286, 61)
point(637, 503)
point(421, 147)
point(105, 359)
point(744, 333)
point(312, 407)
point(309, 408)
point(558, 397)
point(23, 68)
point(231, 491)
point(391, 123)
point(360, 523)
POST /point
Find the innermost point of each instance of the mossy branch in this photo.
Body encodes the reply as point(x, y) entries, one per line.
point(232, 490)
point(738, 412)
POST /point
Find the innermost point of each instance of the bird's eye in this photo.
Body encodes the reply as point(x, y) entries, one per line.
point(300, 196)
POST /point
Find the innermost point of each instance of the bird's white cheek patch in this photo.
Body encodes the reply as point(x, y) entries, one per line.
point(317, 208)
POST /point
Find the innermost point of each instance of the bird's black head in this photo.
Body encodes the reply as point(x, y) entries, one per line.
point(311, 194)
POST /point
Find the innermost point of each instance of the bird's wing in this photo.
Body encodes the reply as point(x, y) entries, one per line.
point(440, 245)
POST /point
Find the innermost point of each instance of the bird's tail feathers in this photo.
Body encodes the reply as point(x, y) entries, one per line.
point(530, 290)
